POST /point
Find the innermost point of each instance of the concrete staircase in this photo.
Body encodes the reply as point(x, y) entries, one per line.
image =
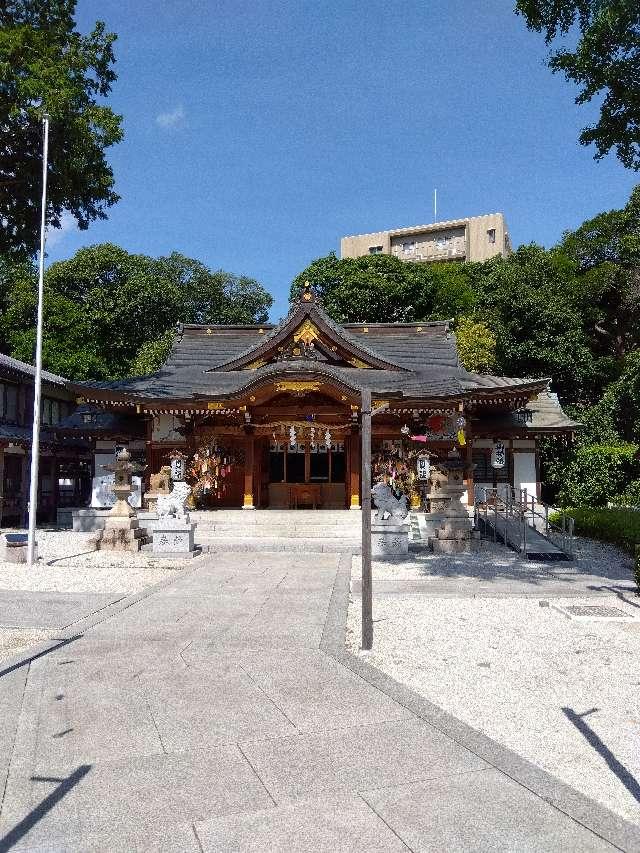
point(278, 530)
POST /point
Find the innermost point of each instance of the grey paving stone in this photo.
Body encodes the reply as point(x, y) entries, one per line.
point(11, 692)
point(479, 811)
point(20, 609)
point(336, 824)
point(85, 721)
point(316, 692)
point(199, 709)
point(356, 758)
point(136, 795)
point(175, 838)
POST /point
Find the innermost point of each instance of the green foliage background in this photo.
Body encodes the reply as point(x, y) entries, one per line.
point(570, 313)
point(110, 314)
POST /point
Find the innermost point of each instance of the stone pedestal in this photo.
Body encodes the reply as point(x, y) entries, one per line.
point(448, 516)
point(121, 534)
point(89, 520)
point(173, 537)
point(389, 540)
point(15, 548)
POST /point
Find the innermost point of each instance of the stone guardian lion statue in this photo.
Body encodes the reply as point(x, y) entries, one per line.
point(174, 503)
point(390, 508)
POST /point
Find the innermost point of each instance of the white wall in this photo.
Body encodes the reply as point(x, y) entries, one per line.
point(524, 471)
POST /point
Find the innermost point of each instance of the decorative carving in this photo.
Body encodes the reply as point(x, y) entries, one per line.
point(297, 349)
point(307, 333)
point(357, 362)
point(254, 365)
point(297, 387)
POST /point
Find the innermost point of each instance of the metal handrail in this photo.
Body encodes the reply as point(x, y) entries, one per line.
point(519, 506)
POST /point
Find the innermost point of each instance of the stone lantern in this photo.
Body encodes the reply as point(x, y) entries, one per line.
point(451, 530)
point(121, 530)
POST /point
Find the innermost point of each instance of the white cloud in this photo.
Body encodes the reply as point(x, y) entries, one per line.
point(172, 118)
point(55, 236)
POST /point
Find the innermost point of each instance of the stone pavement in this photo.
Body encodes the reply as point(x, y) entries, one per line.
point(219, 711)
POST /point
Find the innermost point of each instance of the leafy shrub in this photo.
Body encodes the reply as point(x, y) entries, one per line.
point(630, 496)
point(636, 568)
point(598, 474)
point(619, 526)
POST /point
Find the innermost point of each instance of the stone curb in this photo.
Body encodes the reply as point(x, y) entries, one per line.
point(584, 811)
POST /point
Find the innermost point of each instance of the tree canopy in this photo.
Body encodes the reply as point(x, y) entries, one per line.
point(47, 66)
point(108, 313)
point(604, 63)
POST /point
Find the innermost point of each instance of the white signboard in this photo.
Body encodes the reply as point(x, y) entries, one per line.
point(102, 494)
point(498, 455)
point(423, 467)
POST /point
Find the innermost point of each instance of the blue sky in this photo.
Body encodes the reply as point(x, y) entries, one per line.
point(258, 133)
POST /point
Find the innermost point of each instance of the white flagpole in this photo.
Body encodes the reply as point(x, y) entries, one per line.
point(35, 440)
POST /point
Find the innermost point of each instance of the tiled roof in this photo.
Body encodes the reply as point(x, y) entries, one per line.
point(545, 413)
point(29, 370)
point(410, 360)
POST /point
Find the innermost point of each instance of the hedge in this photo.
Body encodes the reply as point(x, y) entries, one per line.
point(599, 474)
point(619, 526)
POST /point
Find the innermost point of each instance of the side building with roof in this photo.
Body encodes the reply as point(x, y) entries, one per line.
point(271, 413)
point(65, 466)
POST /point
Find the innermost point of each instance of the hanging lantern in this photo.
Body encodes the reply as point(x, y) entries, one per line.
point(327, 439)
point(498, 455)
point(292, 436)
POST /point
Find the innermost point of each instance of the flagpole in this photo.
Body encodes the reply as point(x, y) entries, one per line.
point(35, 440)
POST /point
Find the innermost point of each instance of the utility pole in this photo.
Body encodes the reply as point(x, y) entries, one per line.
point(367, 591)
point(35, 439)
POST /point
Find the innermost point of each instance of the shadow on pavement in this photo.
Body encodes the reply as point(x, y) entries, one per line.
point(628, 780)
point(31, 658)
point(64, 786)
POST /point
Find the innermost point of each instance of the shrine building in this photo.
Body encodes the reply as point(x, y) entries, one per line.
point(269, 415)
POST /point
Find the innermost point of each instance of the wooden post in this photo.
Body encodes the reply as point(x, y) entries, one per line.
point(354, 472)
point(365, 500)
point(248, 473)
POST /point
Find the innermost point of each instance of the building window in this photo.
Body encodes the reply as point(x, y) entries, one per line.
point(11, 403)
point(491, 234)
point(408, 247)
point(46, 411)
point(375, 250)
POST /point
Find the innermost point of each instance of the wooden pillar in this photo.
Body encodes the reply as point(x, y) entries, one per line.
point(470, 485)
point(249, 455)
point(354, 471)
point(367, 590)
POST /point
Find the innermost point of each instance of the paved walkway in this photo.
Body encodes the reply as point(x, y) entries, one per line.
point(220, 712)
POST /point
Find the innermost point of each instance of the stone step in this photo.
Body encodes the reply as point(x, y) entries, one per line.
point(305, 546)
point(213, 531)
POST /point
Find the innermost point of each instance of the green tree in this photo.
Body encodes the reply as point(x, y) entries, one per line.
point(153, 354)
point(604, 64)
point(108, 312)
point(384, 289)
point(46, 65)
point(606, 250)
point(534, 303)
point(476, 345)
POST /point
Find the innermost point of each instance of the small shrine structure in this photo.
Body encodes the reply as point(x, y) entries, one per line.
point(269, 415)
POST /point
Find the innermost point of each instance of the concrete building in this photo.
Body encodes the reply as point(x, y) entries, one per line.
point(476, 238)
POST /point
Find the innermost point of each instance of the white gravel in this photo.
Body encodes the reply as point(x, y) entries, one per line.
point(68, 562)
point(508, 666)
